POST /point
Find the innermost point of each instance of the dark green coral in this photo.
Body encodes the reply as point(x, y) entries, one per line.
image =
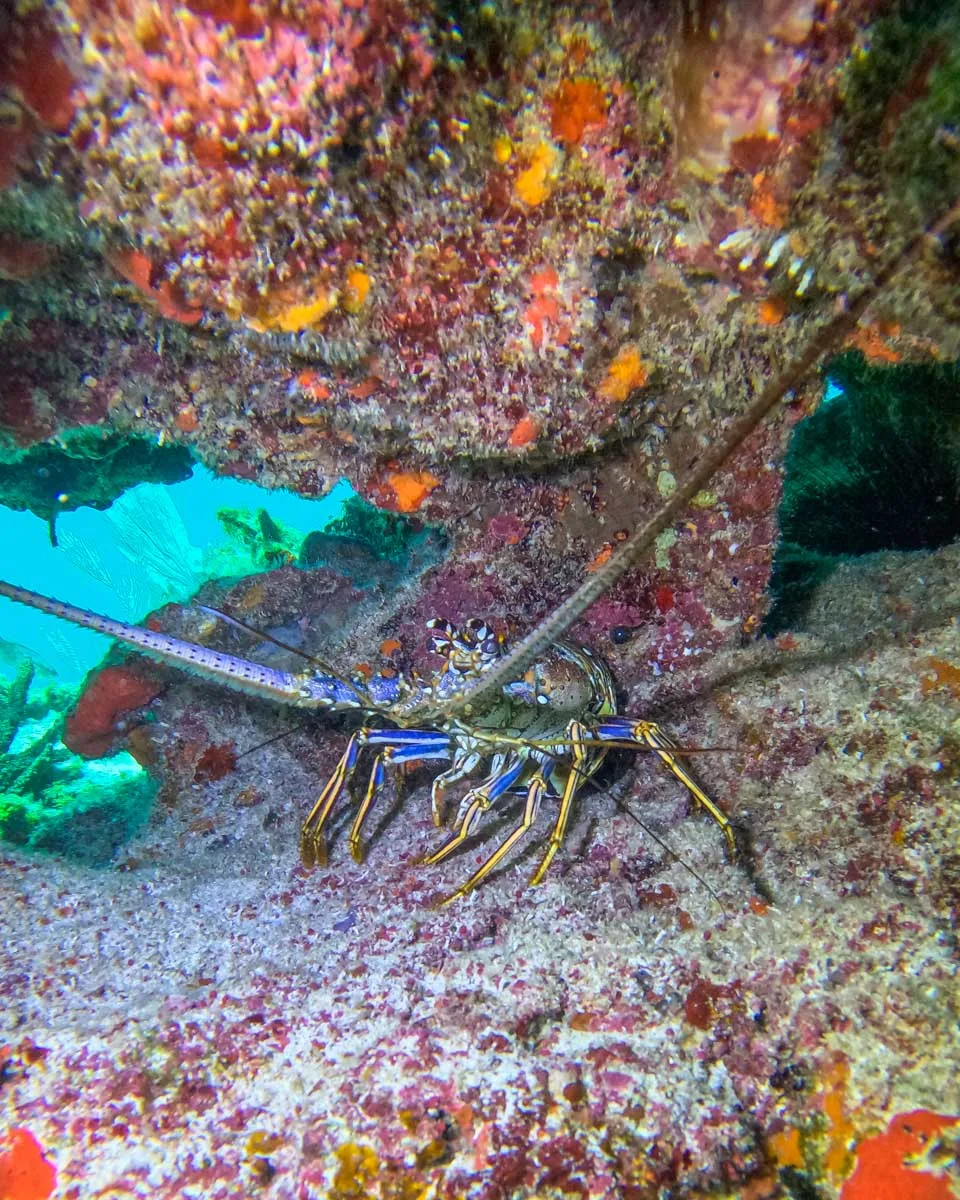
point(902, 100)
point(88, 469)
point(877, 468)
point(368, 544)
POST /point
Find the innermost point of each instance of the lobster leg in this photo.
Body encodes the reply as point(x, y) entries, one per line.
point(646, 733)
point(579, 753)
point(535, 791)
point(461, 768)
point(417, 746)
point(399, 745)
point(475, 803)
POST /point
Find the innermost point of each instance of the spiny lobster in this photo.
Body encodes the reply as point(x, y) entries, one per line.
point(543, 714)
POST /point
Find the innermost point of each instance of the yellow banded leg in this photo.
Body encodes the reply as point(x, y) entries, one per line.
point(376, 777)
point(313, 847)
point(443, 781)
point(575, 736)
point(535, 790)
point(657, 740)
point(475, 804)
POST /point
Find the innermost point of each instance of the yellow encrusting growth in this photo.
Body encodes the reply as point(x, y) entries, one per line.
point(785, 1148)
point(627, 372)
point(839, 1154)
point(355, 290)
point(533, 185)
point(296, 317)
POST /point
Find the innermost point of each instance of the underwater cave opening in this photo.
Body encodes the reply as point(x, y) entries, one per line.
point(122, 526)
point(876, 468)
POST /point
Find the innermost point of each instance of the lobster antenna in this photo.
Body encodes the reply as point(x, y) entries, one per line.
point(559, 621)
point(268, 637)
point(665, 845)
point(277, 737)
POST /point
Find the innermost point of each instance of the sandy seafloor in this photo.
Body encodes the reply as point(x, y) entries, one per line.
point(208, 1019)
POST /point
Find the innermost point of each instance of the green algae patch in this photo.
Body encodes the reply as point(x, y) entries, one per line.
point(52, 800)
point(368, 544)
point(87, 813)
point(902, 94)
point(875, 468)
point(89, 470)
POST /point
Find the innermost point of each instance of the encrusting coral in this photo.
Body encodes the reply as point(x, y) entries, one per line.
point(51, 799)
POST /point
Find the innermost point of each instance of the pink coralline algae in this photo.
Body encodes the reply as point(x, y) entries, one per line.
point(211, 135)
point(484, 236)
point(97, 722)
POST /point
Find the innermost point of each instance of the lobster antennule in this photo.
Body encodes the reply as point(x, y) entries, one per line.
point(312, 691)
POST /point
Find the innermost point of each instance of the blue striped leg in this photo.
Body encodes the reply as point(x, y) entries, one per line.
point(415, 746)
point(646, 733)
point(477, 801)
point(535, 791)
point(464, 763)
point(313, 849)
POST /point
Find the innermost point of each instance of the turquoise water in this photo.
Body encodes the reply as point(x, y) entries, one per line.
point(155, 545)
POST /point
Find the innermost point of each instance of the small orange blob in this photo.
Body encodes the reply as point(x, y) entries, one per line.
point(771, 311)
point(785, 1148)
point(539, 312)
point(411, 488)
point(576, 106)
point(356, 290)
point(389, 646)
point(544, 313)
point(313, 385)
point(186, 419)
point(625, 374)
point(502, 149)
point(764, 204)
point(24, 1173)
point(602, 556)
point(525, 431)
point(834, 1104)
point(870, 339)
point(544, 281)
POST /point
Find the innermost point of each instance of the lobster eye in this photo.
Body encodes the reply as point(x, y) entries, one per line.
point(620, 634)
